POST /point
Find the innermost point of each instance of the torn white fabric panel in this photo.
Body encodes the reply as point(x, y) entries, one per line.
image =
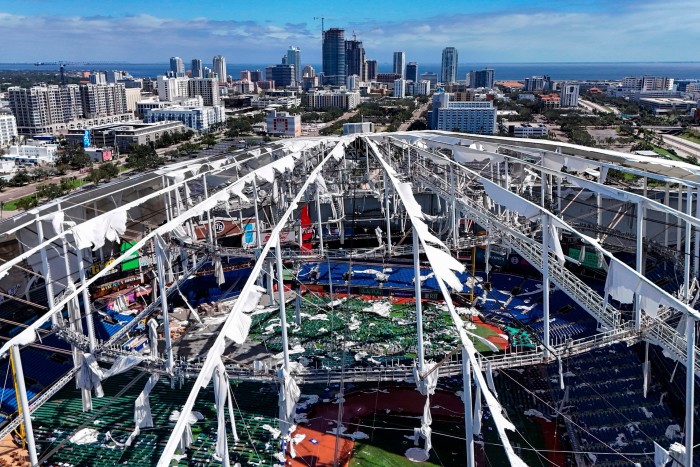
point(90, 375)
point(153, 337)
point(465, 155)
point(122, 364)
point(142, 409)
point(288, 398)
point(428, 383)
point(489, 378)
point(321, 185)
point(108, 226)
point(510, 200)
point(553, 162)
point(56, 220)
point(444, 266)
point(231, 414)
point(621, 282)
point(220, 396)
point(219, 271)
point(239, 328)
point(477, 412)
point(405, 190)
point(661, 456)
point(553, 242)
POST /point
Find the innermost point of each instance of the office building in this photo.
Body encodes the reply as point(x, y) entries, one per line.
point(421, 88)
point(8, 129)
point(103, 100)
point(197, 68)
point(334, 56)
point(352, 82)
point(127, 134)
point(448, 70)
point(48, 109)
point(37, 154)
point(569, 95)
point(196, 118)
point(431, 77)
point(358, 127)
point(372, 69)
point(97, 77)
point(324, 99)
point(400, 88)
point(466, 117)
point(245, 75)
point(220, 68)
point(412, 72)
point(177, 67)
point(387, 78)
point(170, 89)
point(294, 58)
point(481, 79)
point(400, 63)
point(207, 88)
point(308, 72)
point(283, 124)
point(355, 59)
point(538, 83)
point(256, 76)
point(282, 75)
point(526, 130)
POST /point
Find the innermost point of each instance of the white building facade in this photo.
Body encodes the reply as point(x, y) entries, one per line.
point(8, 129)
point(196, 118)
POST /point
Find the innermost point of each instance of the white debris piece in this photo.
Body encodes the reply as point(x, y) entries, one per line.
point(85, 436)
point(382, 308)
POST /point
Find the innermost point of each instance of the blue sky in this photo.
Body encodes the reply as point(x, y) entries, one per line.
point(259, 32)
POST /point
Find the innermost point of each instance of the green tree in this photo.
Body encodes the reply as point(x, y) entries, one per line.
point(143, 157)
point(27, 203)
point(21, 178)
point(209, 140)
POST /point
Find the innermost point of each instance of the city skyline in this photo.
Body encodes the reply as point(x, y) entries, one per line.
point(503, 31)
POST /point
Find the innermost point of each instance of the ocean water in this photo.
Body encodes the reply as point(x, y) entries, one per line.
point(503, 71)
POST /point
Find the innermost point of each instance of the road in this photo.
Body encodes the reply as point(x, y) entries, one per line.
point(416, 114)
point(599, 108)
point(20, 191)
point(682, 146)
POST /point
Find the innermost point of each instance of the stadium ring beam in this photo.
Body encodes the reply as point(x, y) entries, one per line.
point(526, 193)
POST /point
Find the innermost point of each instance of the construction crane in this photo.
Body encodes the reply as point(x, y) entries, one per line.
point(323, 19)
point(61, 66)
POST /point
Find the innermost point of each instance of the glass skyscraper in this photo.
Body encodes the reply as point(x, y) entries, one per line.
point(334, 56)
point(294, 58)
point(448, 72)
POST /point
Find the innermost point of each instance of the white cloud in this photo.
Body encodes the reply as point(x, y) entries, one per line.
point(654, 30)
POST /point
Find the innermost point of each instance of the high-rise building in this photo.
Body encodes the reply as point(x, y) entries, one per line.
point(308, 72)
point(371, 69)
point(400, 63)
point(197, 69)
point(431, 77)
point(220, 68)
point(467, 117)
point(355, 59)
point(294, 58)
point(352, 82)
point(412, 72)
point(256, 76)
point(245, 75)
point(97, 77)
point(207, 88)
point(170, 89)
point(102, 100)
point(8, 129)
point(177, 67)
point(538, 83)
point(448, 71)
point(334, 56)
point(400, 88)
point(282, 75)
point(569, 95)
point(481, 79)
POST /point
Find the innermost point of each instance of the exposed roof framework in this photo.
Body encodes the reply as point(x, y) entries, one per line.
point(507, 186)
